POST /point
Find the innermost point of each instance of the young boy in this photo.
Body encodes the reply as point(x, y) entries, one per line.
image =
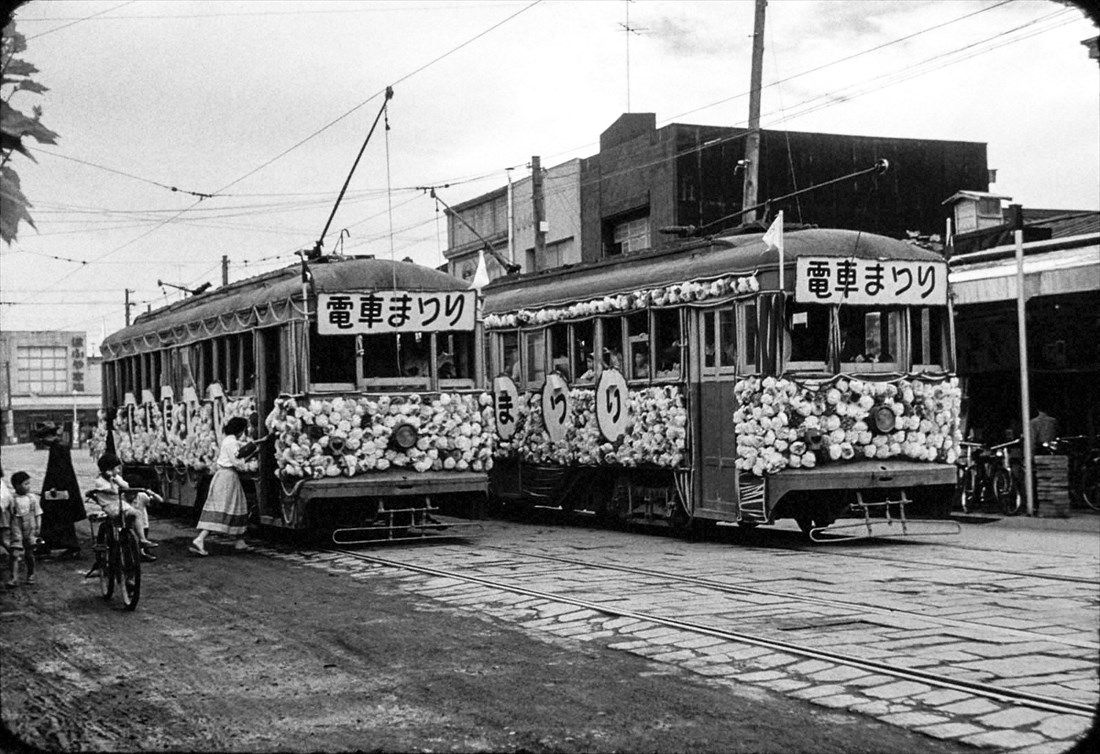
point(20, 522)
point(109, 484)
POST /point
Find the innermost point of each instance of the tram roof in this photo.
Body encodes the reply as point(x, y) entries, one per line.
point(692, 260)
point(255, 301)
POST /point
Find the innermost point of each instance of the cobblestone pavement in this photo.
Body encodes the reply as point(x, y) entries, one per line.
point(962, 610)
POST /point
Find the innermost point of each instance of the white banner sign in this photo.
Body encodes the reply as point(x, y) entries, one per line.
point(612, 405)
point(395, 311)
point(507, 406)
point(557, 406)
point(835, 280)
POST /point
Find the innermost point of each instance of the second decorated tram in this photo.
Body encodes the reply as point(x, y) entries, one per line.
point(718, 381)
point(364, 375)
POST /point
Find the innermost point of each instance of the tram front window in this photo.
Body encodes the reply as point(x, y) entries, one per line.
point(926, 336)
point(637, 326)
point(559, 349)
point(536, 357)
point(869, 336)
point(807, 336)
point(331, 358)
point(584, 363)
point(509, 354)
point(455, 355)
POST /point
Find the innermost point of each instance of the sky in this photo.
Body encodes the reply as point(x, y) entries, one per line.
point(262, 106)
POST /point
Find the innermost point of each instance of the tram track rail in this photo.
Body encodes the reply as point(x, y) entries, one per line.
point(1002, 695)
point(720, 586)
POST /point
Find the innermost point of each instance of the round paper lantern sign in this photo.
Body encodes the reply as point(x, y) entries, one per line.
point(506, 400)
point(556, 405)
point(612, 405)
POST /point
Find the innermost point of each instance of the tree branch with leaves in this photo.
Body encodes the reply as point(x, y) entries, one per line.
point(15, 127)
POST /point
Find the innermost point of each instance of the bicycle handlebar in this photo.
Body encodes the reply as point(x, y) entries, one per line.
point(1006, 444)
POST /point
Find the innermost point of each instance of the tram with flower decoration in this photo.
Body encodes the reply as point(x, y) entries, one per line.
point(365, 375)
point(716, 381)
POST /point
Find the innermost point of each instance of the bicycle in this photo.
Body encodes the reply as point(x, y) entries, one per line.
point(1084, 468)
point(986, 474)
point(116, 550)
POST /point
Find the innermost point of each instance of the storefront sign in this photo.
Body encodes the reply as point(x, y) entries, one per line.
point(612, 405)
point(834, 280)
point(395, 311)
point(506, 397)
point(556, 405)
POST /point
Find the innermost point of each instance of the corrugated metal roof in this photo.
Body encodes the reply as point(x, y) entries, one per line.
point(330, 275)
point(697, 260)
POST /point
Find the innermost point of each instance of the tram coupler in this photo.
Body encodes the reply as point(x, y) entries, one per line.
point(407, 524)
point(893, 523)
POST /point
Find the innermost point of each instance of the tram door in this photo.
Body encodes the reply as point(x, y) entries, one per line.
point(717, 440)
point(268, 359)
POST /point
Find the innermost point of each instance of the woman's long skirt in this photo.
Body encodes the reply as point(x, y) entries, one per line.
point(226, 509)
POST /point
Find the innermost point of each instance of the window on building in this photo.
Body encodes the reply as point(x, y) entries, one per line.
point(807, 336)
point(667, 342)
point(331, 358)
point(584, 357)
point(42, 369)
point(926, 336)
point(559, 349)
point(869, 335)
point(638, 354)
point(628, 236)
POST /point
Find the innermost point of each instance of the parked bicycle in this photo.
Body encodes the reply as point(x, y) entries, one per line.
point(1084, 468)
point(986, 478)
point(116, 550)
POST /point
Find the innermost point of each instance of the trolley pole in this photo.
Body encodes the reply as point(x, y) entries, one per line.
point(1021, 321)
point(752, 141)
point(537, 200)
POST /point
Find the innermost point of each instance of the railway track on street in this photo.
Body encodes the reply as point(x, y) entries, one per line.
point(978, 689)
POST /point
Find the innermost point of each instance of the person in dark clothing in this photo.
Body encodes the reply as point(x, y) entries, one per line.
point(62, 505)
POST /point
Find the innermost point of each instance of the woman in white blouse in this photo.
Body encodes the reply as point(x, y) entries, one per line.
point(226, 509)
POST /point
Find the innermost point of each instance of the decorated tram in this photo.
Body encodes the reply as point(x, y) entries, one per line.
point(724, 380)
point(364, 376)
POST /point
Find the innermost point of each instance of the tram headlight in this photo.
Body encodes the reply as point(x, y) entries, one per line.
point(884, 419)
point(405, 436)
point(815, 438)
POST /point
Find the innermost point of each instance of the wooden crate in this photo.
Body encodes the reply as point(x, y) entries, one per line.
point(1051, 486)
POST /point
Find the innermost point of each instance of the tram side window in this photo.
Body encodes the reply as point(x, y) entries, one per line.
point(749, 341)
point(584, 358)
point(807, 336)
point(536, 356)
point(667, 340)
point(559, 349)
point(869, 335)
point(926, 326)
point(380, 356)
point(206, 366)
point(710, 357)
point(727, 338)
point(331, 358)
point(249, 370)
point(455, 355)
point(509, 354)
point(612, 343)
point(638, 359)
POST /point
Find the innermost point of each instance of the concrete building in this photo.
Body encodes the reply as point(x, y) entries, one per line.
point(645, 178)
point(46, 375)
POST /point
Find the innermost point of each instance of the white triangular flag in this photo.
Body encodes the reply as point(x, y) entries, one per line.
point(481, 274)
point(774, 240)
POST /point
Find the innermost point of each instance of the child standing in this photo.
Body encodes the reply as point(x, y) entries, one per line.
point(226, 508)
point(20, 522)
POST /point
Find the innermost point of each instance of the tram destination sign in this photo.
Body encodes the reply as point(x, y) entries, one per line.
point(839, 280)
point(395, 311)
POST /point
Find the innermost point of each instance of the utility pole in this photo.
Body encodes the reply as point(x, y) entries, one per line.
point(128, 305)
point(752, 143)
point(511, 219)
point(537, 201)
point(1017, 214)
point(225, 269)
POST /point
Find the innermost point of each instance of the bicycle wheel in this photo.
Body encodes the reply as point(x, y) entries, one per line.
point(1090, 485)
point(104, 549)
point(1005, 491)
point(129, 569)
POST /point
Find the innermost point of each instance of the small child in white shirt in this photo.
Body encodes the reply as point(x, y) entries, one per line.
point(20, 524)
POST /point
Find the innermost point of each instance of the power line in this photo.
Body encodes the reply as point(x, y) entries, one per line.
point(74, 23)
point(123, 173)
point(401, 7)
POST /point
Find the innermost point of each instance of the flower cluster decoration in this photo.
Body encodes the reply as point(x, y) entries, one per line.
point(781, 423)
point(350, 435)
point(676, 293)
point(656, 436)
point(184, 438)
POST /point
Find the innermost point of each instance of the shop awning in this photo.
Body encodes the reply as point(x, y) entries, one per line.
point(1074, 270)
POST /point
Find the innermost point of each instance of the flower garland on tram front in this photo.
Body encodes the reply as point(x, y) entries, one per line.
point(782, 423)
point(348, 436)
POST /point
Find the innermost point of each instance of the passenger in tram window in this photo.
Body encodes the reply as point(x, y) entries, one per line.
point(612, 359)
point(641, 363)
point(589, 369)
point(561, 366)
point(669, 363)
point(446, 366)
